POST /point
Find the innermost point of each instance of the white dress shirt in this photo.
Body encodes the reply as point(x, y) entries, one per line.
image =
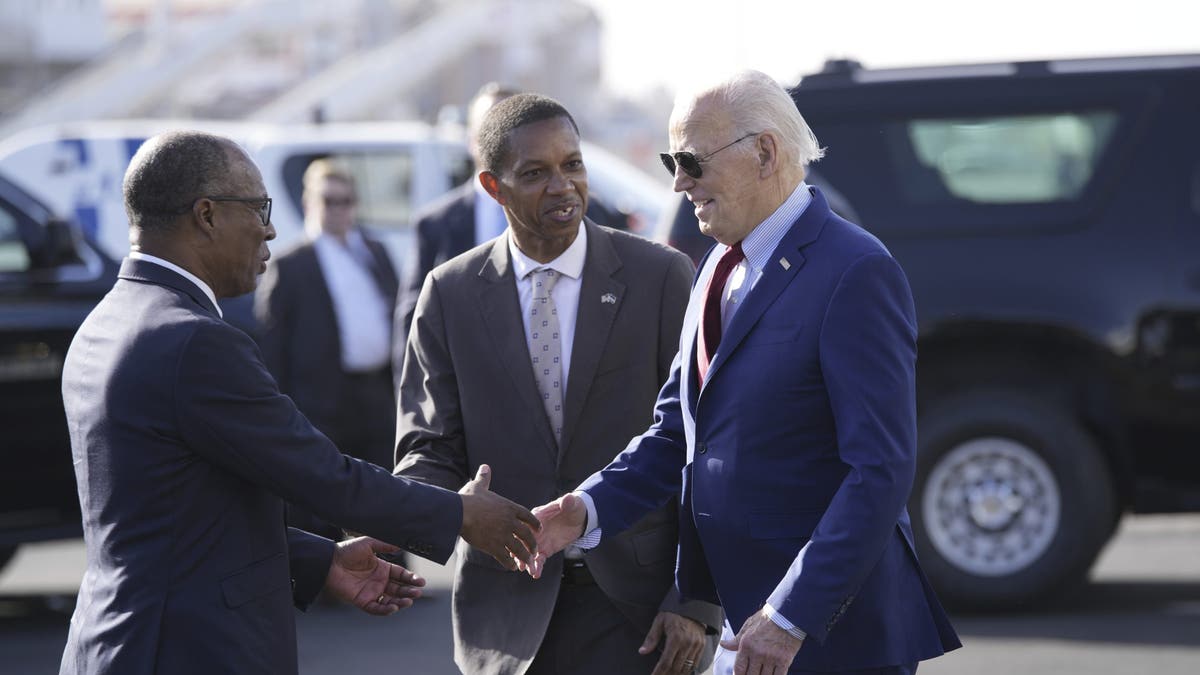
point(138, 255)
point(362, 312)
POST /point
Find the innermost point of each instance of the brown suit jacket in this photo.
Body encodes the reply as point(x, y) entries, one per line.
point(468, 397)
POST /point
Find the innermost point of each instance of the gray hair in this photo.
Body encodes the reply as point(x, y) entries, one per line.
point(757, 103)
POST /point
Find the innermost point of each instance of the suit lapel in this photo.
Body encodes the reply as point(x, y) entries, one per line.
point(784, 264)
point(504, 323)
point(600, 297)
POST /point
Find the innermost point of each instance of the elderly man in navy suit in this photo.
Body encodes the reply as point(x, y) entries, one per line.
point(788, 425)
point(185, 452)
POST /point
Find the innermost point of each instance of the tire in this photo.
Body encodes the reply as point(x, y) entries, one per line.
point(1012, 500)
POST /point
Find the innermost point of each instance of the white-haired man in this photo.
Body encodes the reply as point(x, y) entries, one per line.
point(788, 425)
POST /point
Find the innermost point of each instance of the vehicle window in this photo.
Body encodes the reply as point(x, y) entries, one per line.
point(13, 256)
point(383, 179)
point(1007, 160)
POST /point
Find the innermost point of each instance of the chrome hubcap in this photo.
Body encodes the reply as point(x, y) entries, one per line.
point(991, 506)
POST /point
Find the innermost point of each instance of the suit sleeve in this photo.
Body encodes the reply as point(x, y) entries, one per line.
point(430, 444)
point(271, 310)
point(868, 358)
point(309, 558)
point(229, 410)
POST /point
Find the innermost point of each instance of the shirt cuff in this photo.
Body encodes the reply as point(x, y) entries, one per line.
point(591, 529)
point(781, 621)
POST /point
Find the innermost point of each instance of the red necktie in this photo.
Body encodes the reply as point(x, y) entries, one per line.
point(710, 331)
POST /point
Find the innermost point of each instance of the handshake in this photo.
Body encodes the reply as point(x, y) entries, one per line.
point(517, 538)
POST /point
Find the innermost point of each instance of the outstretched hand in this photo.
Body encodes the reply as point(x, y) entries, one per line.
point(496, 525)
point(375, 586)
point(562, 522)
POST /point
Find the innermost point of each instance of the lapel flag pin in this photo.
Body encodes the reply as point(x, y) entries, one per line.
point(608, 299)
point(783, 262)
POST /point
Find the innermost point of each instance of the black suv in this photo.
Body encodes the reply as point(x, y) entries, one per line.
point(50, 278)
point(1048, 217)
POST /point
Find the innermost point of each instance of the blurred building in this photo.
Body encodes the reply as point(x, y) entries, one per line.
point(41, 41)
point(286, 61)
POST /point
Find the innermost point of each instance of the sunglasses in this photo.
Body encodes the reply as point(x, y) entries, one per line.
point(689, 162)
point(339, 202)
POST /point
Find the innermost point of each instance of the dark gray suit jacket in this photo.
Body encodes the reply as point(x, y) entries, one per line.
point(298, 333)
point(184, 451)
point(468, 397)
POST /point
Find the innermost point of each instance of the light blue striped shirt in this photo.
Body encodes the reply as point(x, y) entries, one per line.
point(758, 247)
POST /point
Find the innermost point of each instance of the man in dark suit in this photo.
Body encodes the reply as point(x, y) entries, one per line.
point(788, 424)
point(539, 353)
point(184, 451)
point(324, 311)
point(464, 218)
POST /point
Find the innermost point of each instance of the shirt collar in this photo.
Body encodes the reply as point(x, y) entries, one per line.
point(763, 239)
point(569, 264)
point(138, 255)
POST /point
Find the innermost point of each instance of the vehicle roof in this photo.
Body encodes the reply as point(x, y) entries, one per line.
point(840, 73)
point(250, 134)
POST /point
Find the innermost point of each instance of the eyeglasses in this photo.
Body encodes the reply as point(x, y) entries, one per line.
point(263, 208)
point(689, 162)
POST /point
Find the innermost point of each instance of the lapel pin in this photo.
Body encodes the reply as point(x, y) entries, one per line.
point(608, 299)
point(783, 262)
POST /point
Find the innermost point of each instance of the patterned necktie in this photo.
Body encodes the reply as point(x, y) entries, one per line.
point(545, 347)
point(710, 323)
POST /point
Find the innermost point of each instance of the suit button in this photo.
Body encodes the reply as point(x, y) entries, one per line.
point(701, 448)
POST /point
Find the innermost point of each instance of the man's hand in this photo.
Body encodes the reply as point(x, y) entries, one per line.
point(497, 526)
point(562, 522)
point(685, 643)
point(375, 586)
point(762, 646)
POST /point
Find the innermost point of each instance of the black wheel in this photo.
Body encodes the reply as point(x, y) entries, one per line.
point(1012, 500)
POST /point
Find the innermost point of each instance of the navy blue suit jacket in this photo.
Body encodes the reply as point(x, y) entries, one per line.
point(795, 459)
point(184, 453)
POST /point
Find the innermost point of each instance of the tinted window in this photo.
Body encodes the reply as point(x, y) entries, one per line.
point(13, 256)
point(1005, 160)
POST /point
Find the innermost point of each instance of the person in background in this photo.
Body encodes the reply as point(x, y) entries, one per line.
point(464, 217)
point(539, 353)
point(185, 451)
point(789, 420)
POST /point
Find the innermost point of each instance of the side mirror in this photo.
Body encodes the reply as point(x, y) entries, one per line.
point(57, 246)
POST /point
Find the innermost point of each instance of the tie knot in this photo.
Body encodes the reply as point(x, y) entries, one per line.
point(732, 257)
point(544, 279)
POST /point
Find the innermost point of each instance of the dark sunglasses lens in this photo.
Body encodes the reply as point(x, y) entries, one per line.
point(687, 162)
point(668, 161)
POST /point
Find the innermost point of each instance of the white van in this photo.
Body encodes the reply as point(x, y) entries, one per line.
point(77, 168)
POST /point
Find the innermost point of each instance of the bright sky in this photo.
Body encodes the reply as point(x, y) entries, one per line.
point(681, 43)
